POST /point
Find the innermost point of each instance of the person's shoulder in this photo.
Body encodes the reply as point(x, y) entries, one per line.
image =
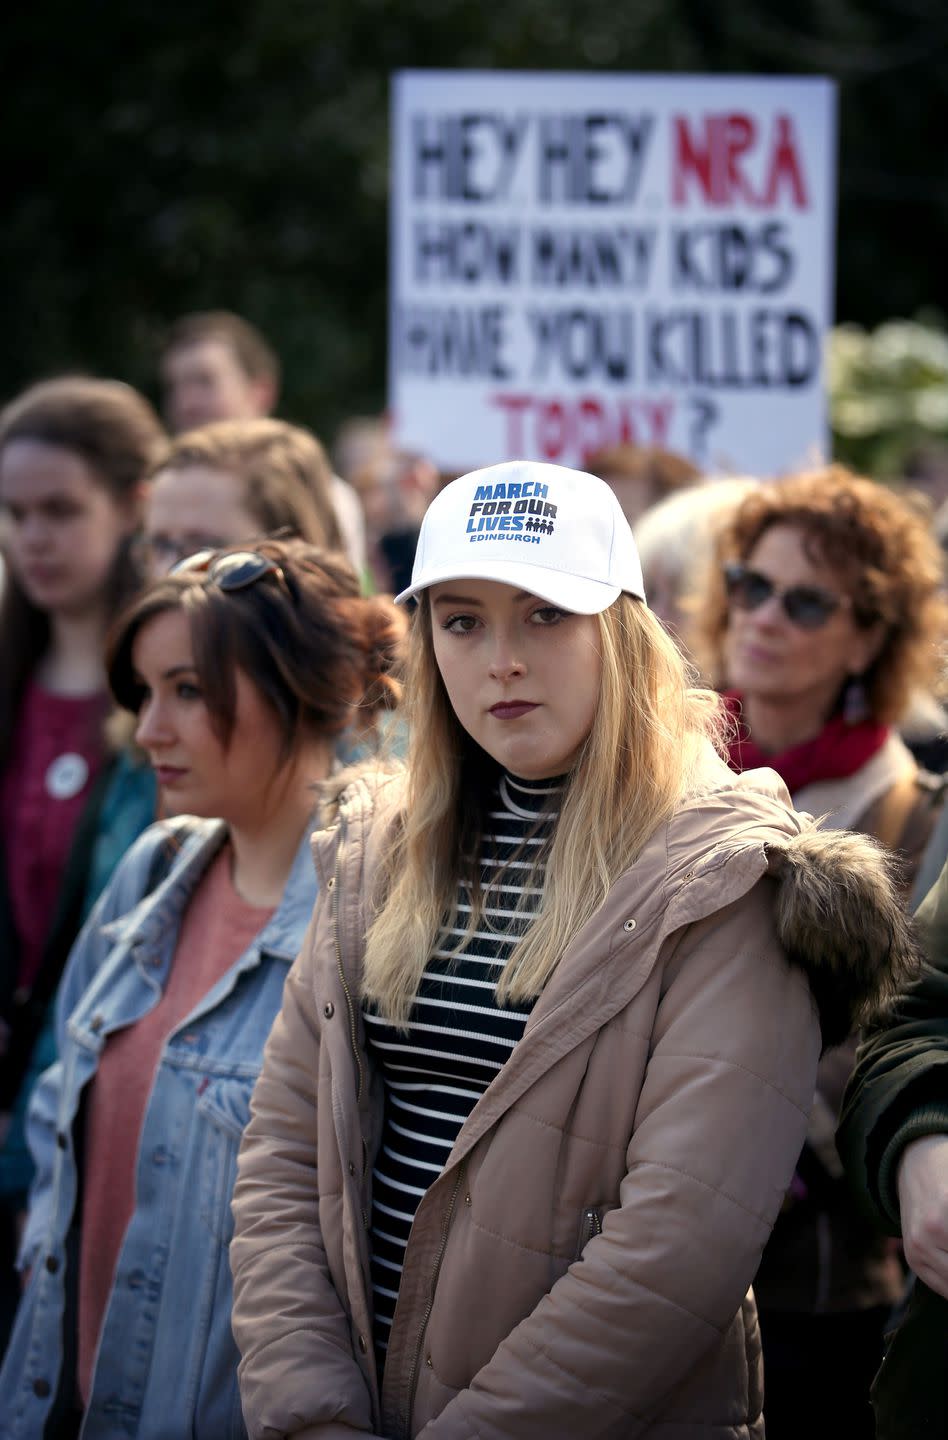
point(361, 806)
point(720, 807)
point(368, 792)
point(837, 911)
point(176, 834)
point(165, 846)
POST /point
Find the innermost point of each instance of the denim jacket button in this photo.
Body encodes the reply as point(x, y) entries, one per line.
point(41, 1388)
point(61, 1139)
point(52, 1264)
point(96, 1023)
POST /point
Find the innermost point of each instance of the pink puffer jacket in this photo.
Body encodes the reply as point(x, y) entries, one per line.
point(582, 1265)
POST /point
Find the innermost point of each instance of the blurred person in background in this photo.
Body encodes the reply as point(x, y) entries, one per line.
point(227, 483)
point(825, 617)
point(940, 527)
point(395, 489)
point(233, 481)
point(893, 1139)
point(243, 668)
point(217, 366)
point(677, 541)
point(360, 441)
point(926, 471)
point(73, 453)
point(924, 726)
point(642, 475)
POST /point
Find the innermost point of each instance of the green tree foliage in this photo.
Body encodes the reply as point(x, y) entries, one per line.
point(889, 396)
point(160, 158)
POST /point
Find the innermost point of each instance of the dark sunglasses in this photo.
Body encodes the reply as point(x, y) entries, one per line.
point(806, 605)
point(235, 570)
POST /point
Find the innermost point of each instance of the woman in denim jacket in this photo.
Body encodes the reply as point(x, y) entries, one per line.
point(244, 669)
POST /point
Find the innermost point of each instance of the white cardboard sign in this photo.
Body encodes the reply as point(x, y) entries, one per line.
point(586, 260)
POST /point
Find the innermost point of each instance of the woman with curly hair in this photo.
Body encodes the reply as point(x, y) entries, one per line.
point(826, 617)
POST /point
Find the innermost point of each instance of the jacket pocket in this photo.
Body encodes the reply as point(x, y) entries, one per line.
point(223, 1110)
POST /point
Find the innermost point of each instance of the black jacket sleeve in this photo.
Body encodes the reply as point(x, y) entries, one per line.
point(898, 1091)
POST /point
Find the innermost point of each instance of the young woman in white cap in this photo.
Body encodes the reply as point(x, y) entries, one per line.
point(543, 1066)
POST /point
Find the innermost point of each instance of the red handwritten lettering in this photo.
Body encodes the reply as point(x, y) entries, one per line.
point(710, 162)
point(570, 428)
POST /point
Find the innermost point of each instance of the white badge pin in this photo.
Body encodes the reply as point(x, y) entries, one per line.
point(66, 776)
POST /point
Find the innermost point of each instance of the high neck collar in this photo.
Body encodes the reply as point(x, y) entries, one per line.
point(531, 797)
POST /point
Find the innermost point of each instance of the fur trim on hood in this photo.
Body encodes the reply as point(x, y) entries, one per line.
point(371, 776)
point(841, 919)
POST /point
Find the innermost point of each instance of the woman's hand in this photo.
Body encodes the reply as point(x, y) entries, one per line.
point(923, 1203)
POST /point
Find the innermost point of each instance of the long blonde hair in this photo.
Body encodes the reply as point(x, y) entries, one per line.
point(643, 751)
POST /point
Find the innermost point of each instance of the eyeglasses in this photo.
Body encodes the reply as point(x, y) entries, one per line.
point(234, 570)
point(807, 606)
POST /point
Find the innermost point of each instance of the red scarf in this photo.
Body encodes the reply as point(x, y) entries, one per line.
point(837, 752)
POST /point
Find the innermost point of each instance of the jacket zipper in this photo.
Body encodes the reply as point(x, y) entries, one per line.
point(590, 1226)
point(445, 1226)
point(353, 1036)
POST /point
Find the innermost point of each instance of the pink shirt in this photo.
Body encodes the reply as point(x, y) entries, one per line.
point(217, 928)
point(57, 752)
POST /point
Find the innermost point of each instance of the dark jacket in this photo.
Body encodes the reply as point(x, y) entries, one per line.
point(825, 1256)
point(898, 1093)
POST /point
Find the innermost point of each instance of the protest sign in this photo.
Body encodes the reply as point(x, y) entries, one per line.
point(586, 260)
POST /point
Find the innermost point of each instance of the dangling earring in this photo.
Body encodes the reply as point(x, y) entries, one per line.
point(855, 701)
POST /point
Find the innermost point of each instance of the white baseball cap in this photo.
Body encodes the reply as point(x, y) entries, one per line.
point(558, 533)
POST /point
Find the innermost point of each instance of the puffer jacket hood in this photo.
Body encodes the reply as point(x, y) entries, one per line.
point(839, 915)
point(840, 918)
point(838, 912)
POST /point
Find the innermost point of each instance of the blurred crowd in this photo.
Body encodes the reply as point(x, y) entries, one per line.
point(815, 604)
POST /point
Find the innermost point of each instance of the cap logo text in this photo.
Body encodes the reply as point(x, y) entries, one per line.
point(506, 510)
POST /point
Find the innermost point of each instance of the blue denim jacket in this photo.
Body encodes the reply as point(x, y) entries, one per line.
point(167, 1364)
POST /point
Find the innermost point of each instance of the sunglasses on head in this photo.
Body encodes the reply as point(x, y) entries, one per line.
point(805, 605)
point(234, 570)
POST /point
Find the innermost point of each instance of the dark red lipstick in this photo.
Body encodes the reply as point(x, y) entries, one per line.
point(512, 709)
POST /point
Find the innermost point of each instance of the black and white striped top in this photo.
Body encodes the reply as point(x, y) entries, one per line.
point(457, 1038)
